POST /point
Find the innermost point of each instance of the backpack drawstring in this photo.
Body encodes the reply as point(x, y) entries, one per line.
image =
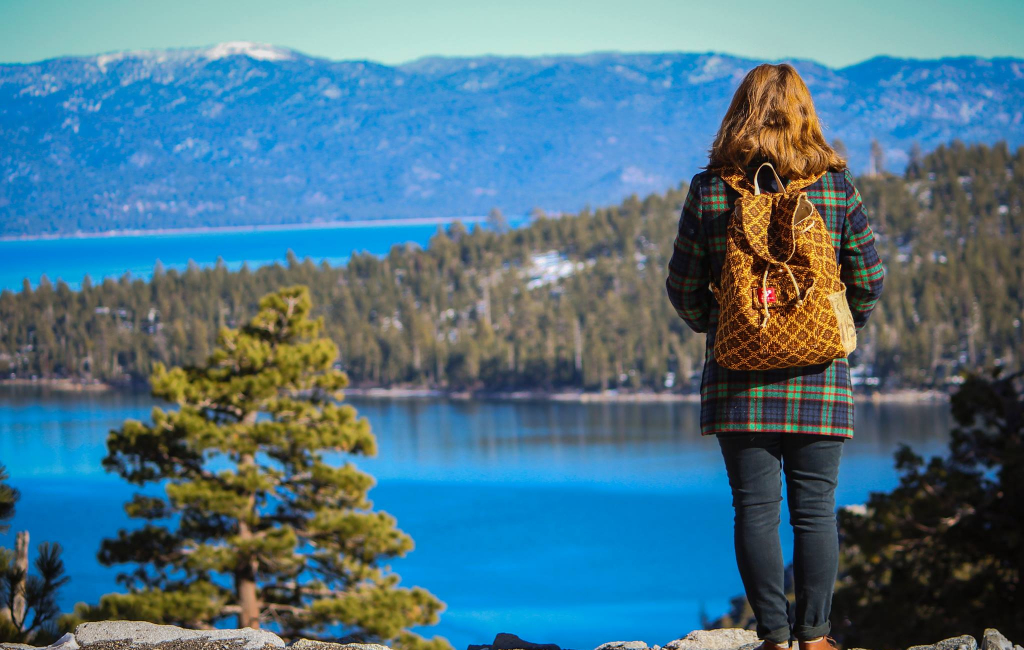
point(764, 277)
point(764, 290)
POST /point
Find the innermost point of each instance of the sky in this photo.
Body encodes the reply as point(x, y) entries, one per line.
point(394, 31)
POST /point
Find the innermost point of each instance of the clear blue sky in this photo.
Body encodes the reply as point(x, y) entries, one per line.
point(393, 31)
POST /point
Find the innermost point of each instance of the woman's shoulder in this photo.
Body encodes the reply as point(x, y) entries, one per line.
point(836, 179)
point(707, 176)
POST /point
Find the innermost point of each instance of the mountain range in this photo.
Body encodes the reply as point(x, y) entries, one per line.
point(245, 133)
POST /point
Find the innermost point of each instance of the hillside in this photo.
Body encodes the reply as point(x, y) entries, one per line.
point(566, 303)
point(242, 133)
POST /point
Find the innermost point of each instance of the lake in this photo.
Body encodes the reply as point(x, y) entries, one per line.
point(71, 258)
point(566, 523)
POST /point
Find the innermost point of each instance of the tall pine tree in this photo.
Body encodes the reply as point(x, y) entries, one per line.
point(254, 522)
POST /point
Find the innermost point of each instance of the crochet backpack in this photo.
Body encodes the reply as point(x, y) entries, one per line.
point(781, 301)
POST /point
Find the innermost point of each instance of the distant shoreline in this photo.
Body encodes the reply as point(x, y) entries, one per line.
point(198, 230)
point(904, 396)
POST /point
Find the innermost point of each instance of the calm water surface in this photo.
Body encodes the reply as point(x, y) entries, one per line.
point(72, 258)
point(566, 523)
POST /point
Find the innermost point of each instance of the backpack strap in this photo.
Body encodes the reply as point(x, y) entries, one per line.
point(738, 181)
point(800, 183)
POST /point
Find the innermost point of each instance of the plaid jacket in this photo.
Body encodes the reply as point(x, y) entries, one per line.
point(810, 399)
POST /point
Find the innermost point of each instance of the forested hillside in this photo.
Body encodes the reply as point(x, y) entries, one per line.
point(573, 302)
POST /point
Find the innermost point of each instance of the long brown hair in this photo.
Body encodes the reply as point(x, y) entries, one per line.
point(772, 117)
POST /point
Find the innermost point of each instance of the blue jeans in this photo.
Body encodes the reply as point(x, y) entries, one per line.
point(811, 464)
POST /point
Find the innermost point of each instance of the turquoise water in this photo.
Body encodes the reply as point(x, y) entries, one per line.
point(72, 258)
point(566, 523)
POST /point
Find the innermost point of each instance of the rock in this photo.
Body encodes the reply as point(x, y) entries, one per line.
point(730, 638)
point(137, 633)
point(965, 642)
point(66, 642)
point(478, 647)
point(506, 641)
point(306, 644)
point(622, 645)
point(993, 640)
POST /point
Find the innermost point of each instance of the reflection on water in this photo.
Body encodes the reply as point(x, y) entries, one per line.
point(561, 522)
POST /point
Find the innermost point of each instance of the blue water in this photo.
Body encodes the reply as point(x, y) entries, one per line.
point(566, 523)
point(72, 258)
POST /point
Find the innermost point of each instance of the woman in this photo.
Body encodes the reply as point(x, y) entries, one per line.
point(791, 420)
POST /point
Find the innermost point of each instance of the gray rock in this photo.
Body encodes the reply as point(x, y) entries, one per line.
point(622, 645)
point(993, 640)
point(731, 638)
point(306, 644)
point(478, 647)
point(66, 642)
point(965, 642)
point(139, 633)
point(506, 641)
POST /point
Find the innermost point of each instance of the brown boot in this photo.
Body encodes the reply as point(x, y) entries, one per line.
point(822, 643)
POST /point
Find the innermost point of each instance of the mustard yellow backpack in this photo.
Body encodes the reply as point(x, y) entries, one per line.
point(781, 301)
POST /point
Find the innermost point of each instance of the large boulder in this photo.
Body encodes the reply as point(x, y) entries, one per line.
point(994, 640)
point(112, 635)
point(730, 638)
point(965, 642)
point(622, 645)
point(306, 644)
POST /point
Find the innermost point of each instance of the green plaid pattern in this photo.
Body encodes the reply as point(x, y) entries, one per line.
point(810, 399)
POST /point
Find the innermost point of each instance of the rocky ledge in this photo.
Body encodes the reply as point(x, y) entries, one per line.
point(126, 635)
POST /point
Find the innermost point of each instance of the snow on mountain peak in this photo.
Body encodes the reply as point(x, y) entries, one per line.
point(260, 51)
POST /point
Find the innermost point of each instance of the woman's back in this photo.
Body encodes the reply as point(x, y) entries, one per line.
point(807, 399)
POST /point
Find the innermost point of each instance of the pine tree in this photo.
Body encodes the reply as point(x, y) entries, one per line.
point(497, 221)
point(255, 522)
point(877, 166)
point(28, 602)
point(940, 555)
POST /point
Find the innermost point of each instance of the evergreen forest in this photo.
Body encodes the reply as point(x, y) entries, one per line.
point(565, 303)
